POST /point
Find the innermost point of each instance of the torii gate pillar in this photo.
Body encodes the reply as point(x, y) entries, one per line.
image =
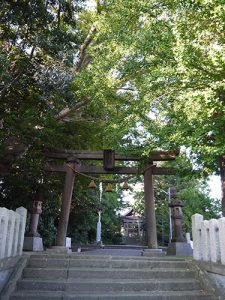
point(150, 208)
point(66, 203)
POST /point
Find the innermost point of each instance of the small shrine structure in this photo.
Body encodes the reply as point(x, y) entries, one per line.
point(132, 227)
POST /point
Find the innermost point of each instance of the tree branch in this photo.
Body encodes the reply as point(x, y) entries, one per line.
point(64, 113)
point(84, 47)
point(7, 86)
point(83, 60)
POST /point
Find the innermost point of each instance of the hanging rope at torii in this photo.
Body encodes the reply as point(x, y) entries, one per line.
point(99, 179)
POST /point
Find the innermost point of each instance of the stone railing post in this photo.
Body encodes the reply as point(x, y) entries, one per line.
point(208, 239)
point(16, 234)
point(4, 219)
point(221, 226)
point(12, 228)
point(205, 241)
point(9, 238)
point(196, 235)
point(214, 242)
point(22, 223)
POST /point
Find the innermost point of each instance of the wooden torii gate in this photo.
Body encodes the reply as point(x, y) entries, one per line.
point(73, 165)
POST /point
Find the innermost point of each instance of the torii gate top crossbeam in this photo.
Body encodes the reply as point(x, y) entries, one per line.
point(98, 155)
point(116, 170)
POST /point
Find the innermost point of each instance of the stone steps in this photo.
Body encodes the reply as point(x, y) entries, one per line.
point(85, 256)
point(95, 277)
point(107, 273)
point(153, 252)
point(107, 285)
point(105, 263)
point(154, 295)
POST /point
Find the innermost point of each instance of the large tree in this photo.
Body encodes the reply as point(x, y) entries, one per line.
point(156, 68)
point(130, 75)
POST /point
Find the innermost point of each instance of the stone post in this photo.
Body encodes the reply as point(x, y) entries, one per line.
point(4, 219)
point(214, 240)
point(222, 177)
point(16, 234)
point(178, 245)
point(12, 227)
point(205, 241)
point(9, 238)
point(23, 216)
point(150, 209)
point(197, 219)
point(221, 225)
point(99, 229)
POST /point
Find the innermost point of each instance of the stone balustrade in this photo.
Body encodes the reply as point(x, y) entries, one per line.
point(12, 228)
point(208, 239)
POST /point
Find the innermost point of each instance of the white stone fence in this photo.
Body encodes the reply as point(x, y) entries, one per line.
point(12, 228)
point(208, 239)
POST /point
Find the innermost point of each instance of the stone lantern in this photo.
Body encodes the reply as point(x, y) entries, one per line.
point(33, 240)
point(178, 245)
point(176, 214)
point(35, 213)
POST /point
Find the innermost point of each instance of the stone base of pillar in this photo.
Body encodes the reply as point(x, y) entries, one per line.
point(33, 243)
point(179, 249)
point(152, 252)
point(59, 249)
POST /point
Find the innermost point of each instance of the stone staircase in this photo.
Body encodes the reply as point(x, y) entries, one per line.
point(96, 277)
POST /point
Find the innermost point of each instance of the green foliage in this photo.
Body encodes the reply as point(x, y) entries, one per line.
point(196, 200)
point(111, 223)
point(158, 75)
point(151, 77)
point(84, 215)
point(38, 41)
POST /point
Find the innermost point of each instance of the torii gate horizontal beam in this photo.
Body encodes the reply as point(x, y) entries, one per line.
point(116, 170)
point(98, 155)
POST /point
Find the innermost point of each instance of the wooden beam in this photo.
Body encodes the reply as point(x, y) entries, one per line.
point(163, 171)
point(116, 170)
point(55, 168)
point(101, 170)
point(163, 155)
point(93, 169)
point(98, 155)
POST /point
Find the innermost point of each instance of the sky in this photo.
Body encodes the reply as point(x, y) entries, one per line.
point(215, 186)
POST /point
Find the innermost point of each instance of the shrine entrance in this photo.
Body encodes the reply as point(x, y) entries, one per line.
point(73, 165)
point(132, 228)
